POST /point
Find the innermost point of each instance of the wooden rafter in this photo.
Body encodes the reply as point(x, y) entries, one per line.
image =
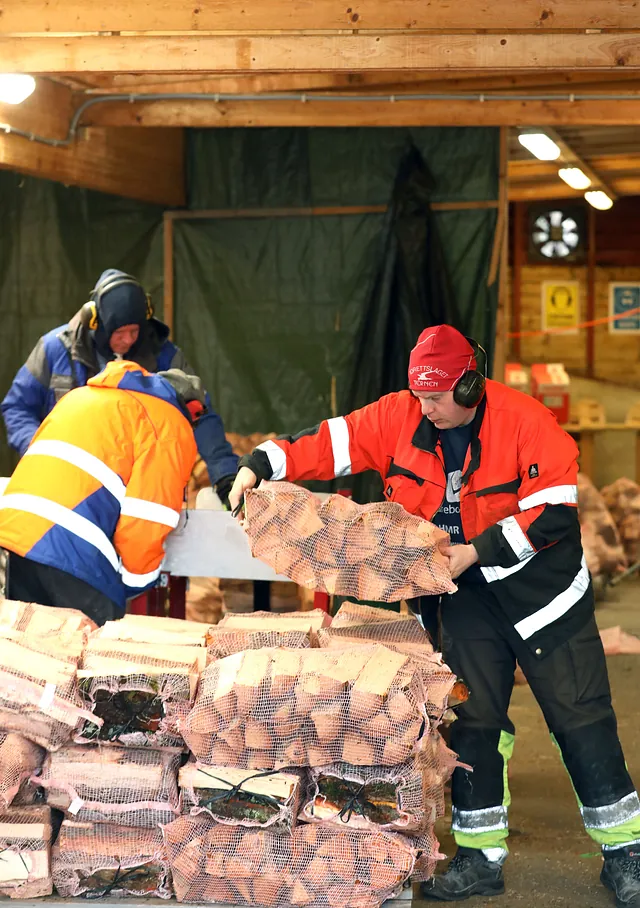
point(571, 158)
point(320, 53)
point(171, 16)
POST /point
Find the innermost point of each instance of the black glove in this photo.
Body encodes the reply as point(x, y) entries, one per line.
point(223, 487)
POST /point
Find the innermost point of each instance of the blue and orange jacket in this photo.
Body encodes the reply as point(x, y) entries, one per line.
point(101, 485)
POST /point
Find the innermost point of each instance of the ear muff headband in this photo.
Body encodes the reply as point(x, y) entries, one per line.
point(470, 387)
point(109, 283)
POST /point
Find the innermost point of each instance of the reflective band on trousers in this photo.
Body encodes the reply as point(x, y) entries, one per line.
point(611, 815)
point(277, 459)
point(477, 821)
point(339, 431)
point(557, 607)
point(552, 495)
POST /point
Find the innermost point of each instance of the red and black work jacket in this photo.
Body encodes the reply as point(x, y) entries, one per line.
point(518, 499)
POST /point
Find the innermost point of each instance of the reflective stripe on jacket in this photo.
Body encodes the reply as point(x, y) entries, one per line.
point(518, 501)
point(101, 485)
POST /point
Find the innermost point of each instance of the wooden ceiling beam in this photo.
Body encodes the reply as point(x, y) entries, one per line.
point(571, 158)
point(362, 113)
point(47, 111)
point(68, 16)
point(548, 82)
point(320, 53)
point(556, 189)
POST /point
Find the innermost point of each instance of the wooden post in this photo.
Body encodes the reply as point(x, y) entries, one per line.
point(591, 291)
point(168, 313)
point(519, 211)
point(499, 260)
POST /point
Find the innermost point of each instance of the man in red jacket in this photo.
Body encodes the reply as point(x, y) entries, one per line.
point(493, 468)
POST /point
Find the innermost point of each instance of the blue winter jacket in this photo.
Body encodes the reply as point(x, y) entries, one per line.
point(65, 358)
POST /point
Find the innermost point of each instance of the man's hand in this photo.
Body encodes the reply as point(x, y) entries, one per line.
point(460, 558)
point(223, 487)
point(246, 479)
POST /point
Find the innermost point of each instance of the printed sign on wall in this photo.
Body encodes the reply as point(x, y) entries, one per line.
point(561, 305)
point(624, 298)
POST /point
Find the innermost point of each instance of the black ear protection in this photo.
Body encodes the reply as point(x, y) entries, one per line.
point(90, 308)
point(470, 386)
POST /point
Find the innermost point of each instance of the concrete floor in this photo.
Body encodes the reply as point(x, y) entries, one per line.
point(552, 861)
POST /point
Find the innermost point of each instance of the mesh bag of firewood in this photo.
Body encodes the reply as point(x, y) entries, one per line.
point(374, 551)
point(271, 708)
point(404, 634)
point(242, 797)
point(600, 539)
point(42, 620)
point(25, 852)
point(258, 630)
point(124, 786)
point(99, 861)
point(623, 500)
point(316, 867)
point(39, 696)
point(19, 760)
point(154, 631)
point(137, 691)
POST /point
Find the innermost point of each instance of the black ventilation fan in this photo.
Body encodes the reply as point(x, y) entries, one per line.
point(557, 234)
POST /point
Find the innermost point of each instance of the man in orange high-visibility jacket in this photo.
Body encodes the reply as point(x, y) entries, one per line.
point(493, 468)
point(87, 509)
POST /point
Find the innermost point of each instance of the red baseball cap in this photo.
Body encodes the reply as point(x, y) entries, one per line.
point(439, 359)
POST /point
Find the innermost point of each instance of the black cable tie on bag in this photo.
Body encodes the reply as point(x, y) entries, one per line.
point(263, 800)
point(354, 804)
point(100, 893)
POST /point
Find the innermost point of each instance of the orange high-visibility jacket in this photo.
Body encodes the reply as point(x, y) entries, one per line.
point(101, 485)
point(518, 499)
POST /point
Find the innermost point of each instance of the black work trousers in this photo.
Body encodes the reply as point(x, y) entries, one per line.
point(571, 686)
point(29, 581)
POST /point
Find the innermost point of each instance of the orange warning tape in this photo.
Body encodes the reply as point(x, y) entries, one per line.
point(591, 324)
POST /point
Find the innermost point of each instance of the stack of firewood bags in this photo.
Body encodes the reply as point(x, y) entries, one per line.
point(375, 551)
point(317, 773)
point(118, 784)
point(40, 706)
point(623, 500)
point(600, 538)
point(258, 630)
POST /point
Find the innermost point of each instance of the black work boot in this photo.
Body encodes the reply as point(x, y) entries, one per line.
point(469, 873)
point(621, 874)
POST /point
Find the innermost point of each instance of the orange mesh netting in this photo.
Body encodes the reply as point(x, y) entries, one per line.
point(38, 685)
point(316, 866)
point(25, 852)
point(374, 551)
point(19, 759)
point(404, 634)
point(42, 620)
point(98, 861)
point(272, 708)
point(242, 797)
point(154, 631)
point(125, 786)
point(138, 692)
point(265, 629)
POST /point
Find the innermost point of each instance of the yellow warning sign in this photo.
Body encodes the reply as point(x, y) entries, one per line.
point(560, 304)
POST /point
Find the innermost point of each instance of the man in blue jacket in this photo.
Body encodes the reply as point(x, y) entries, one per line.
point(117, 322)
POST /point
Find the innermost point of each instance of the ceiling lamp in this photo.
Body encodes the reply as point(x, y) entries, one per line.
point(599, 199)
point(540, 145)
point(574, 177)
point(15, 88)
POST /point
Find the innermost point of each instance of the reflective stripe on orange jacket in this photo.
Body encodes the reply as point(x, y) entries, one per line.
point(101, 485)
point(518, 501)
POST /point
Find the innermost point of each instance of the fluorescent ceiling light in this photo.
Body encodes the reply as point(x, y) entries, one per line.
point(15, 88)
point(574, 177)
point(599, 199)
point(540, 145)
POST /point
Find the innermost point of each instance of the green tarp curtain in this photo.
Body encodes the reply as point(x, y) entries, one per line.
point(266, 309)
